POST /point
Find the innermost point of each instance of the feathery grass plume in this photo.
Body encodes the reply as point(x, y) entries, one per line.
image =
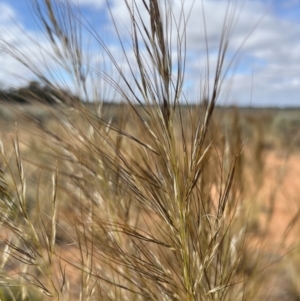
point(146, 207)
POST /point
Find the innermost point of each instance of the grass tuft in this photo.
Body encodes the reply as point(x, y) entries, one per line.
point(150, 205)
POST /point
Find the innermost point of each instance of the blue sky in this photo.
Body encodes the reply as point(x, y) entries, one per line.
point(265, 73)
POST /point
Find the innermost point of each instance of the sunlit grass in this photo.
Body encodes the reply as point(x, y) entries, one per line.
point(158, 201)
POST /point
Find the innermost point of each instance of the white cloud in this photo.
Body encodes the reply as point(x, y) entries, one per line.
point(6, 13)
point(92, 3)
point(272, 51)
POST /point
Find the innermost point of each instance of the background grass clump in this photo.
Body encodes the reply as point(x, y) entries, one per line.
point(150, 199)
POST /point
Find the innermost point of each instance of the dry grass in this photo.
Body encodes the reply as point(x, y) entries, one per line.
point(155, 205)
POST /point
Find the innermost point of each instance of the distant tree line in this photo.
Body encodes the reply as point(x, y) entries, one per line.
point(34, 91)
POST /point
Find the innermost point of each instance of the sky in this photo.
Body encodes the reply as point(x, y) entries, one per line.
point(265, 45)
